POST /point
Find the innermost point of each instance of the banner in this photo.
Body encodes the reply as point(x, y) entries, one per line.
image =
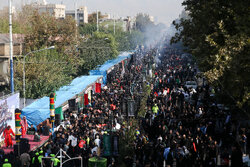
point(97, 88)
point(7, 112)
point(86, 100)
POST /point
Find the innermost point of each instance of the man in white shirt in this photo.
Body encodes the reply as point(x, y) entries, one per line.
point(73, 140)
point(97, 141)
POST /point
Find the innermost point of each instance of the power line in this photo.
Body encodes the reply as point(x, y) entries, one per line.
point(58, 62)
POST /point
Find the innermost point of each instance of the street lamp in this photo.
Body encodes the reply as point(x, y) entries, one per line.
point(11, 48)
point(52, 47)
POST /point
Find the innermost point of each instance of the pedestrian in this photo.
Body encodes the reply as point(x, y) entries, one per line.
point(25, 159)
point(7, 136)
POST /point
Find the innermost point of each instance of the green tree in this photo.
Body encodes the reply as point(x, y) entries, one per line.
point(97, 49)
point(17, 27)
point(87, 29)
point(92, 18)
point(135, 38)
point(48, 70)
point(143, 22)
point(216, 33)
point(44, 72)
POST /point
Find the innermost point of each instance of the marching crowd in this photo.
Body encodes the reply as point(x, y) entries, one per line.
point(182, 126)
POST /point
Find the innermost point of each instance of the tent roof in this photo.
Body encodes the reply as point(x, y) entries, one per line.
point(110, 63)
point(38, 111)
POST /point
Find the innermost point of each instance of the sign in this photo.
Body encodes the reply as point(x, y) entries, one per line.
point(7, 112)
point(65, 107)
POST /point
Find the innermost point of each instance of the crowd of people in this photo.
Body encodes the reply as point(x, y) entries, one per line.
point(182, 125)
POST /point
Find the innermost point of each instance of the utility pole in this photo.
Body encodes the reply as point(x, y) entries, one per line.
point(76, 13)
point(11, 48)
point(114, 23)
point(97, 21)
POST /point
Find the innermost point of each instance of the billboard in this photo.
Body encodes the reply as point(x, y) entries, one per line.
point(7, 112)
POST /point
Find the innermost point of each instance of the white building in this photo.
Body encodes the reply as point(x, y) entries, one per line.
point(151, 18)
point(56, 10)
point(82, 15)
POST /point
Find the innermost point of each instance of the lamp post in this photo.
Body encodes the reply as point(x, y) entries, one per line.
point(114, 24)
point(52, 47)
point(11, 48)
point(97, 20)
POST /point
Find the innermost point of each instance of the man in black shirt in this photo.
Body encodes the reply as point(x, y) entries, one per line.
point(31, 130)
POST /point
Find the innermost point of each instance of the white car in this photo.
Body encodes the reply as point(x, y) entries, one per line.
point(191, 84)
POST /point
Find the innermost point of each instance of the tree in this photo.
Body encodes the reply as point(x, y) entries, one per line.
point(128, 40)
point(143, 22)
point(92, 17)
point(44, 30)
point(44, 72)
point(217, 35)
point(17, 27)
point(97, 49)
point(135, 38)
point(48, 70)
point(87, 29)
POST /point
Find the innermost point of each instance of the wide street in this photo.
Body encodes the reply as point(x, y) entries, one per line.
point(111, 83)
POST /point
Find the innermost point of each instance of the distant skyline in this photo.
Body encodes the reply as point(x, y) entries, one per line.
point(165, 11)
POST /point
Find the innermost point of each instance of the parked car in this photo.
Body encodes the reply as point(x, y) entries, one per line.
point(191, 84)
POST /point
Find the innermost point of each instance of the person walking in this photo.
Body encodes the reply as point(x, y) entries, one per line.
point(25, 159)
point(7, 136)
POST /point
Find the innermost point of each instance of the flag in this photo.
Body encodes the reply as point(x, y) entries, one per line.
point(86, 100)
point(97, 88)
point(194, 147)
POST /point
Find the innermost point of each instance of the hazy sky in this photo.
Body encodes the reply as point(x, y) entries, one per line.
point(164, 10)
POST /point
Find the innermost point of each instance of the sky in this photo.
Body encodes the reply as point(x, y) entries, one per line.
point(164, 11)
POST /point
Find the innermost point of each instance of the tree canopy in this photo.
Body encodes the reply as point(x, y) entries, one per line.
point(77, 49)
point(217, 34)
point(142, 22)
point(46, 70)
point(97, 49)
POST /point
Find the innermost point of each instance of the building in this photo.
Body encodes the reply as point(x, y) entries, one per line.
point(5, 10)
point(129, 23)
point(151, 18)
point(82, 15)
point(56, 10)
point(105, 17)
point(5, 54)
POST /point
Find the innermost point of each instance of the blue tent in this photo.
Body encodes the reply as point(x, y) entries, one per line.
point(39, 111)
point(102, 70)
